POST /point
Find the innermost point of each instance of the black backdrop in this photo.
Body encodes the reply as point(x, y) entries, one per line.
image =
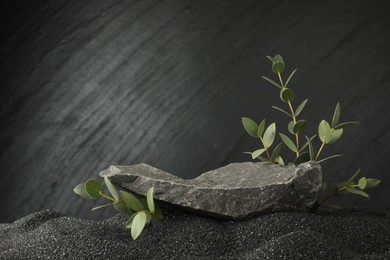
point(87, 84)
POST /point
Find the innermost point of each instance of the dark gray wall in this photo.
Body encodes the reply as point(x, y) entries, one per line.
point(87, 84)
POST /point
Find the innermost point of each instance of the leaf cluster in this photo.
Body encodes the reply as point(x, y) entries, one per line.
point(141, 212)
point(345, 188)
point(328, 133)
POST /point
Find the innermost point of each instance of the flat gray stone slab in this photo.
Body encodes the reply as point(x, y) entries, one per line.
point(235, 191)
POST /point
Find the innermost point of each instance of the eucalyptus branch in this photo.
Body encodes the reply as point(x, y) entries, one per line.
point(327, 133)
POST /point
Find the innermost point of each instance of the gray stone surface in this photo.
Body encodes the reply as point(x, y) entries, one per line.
point(235, 191)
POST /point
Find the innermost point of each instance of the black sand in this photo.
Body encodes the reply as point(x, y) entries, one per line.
point(345, 234)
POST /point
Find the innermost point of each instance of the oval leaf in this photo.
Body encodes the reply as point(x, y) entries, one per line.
point(290, 127)
point(299, 127)
point(286, 95)
point(269, 135)
point(371, 183)
point(290, 144)
point(260, 130)
point(138, 224)
point(150, 200)
point(300, 107)
point(311, 149)
point(250, 126)
point(303, 157)
point(93, 188)
point(158, 214)
point(335, 135)
point(328, 135)
point(358, 192)
point(120, 208)
point(131, 201)
point(130, 220)
point(257, 153)
point(276, 152)
point(111, 188)
point(80, 190)
point(277, 67)
point(362, 183)
point(279, 160)
point(336, 116)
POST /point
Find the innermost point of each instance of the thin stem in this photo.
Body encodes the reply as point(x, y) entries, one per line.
point(332, 195)
point(266, 149)
point(154, 216)
point(292, 114)
point(112, 199)
point(320, 150)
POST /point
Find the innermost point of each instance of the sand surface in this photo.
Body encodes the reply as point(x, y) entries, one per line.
point(344, 234)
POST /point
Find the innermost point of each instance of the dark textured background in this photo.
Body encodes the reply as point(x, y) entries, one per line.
point(87, 84)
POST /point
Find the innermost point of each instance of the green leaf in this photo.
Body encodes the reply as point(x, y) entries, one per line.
point(250, 126)
point(371, 183)
point(279, 160)
point(131, 201)
point(150, 200)
point(130, 220)
point(281, 110)
point(328, 135)
point(158, 214)
point(260, 130)
point(353, 177)
point(278, 64)
point(290, 127)
point(93, 188)
point(291, 75)
point(306, 143)
point(358, 192)
point(335, 135)
point(299, 127)
point(138, 224)
point(257, 153)
point(362, 183)
point(102, 206)
point(111, 188)
point(330, 157)
point(290, 144)
point(346, 124)
point(300, 107)
point(324, 131)
point(336, 116)
point(311, 149)
point(279, 58)
point(286, 95)
point(120, 208)
point(276, 152)
point(271, 81)
point(303, 157)
point(80, 190)
point(269, 135)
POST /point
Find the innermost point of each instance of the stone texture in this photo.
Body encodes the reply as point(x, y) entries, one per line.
point(235, 191)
